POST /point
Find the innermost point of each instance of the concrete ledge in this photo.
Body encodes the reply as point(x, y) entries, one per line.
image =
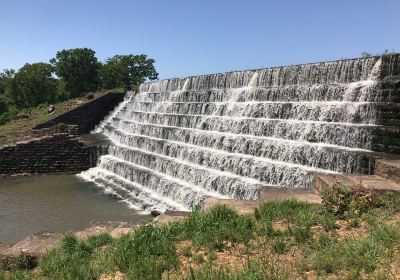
point(171, 216)
point(372, 182)
point(389, 169)
point(310, 195)
point(241, 206)
point(35, 244)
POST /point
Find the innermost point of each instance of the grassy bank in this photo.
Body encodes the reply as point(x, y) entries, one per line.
point(18, 129)
point(280, 240)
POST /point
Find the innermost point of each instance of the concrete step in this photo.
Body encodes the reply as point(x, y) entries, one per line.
point(35, 244)
point(241, 206)
point(170, 216)
point(389, 169)
point(310, 195)
point(373, 182)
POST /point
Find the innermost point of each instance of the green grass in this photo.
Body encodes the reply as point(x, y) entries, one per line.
point(280, 240)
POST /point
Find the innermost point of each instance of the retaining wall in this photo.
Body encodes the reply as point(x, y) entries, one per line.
point(57, 153)
point(88, 115)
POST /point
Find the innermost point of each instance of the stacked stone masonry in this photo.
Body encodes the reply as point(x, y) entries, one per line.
point(58, 153)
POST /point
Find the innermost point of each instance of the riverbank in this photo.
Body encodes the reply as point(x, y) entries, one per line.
point(349, 236)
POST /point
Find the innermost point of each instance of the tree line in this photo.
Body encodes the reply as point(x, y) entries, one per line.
point(71, 73)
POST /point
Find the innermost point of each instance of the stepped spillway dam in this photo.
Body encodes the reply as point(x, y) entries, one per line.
point(178, 141)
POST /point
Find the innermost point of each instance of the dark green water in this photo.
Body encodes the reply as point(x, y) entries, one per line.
point(55, 203)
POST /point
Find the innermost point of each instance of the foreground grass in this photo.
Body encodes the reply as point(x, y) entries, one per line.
point(280, 240)
point(18, 130)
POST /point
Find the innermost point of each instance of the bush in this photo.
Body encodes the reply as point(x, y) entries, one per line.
point(24, 261)
point(345, 201)
point(62, 128)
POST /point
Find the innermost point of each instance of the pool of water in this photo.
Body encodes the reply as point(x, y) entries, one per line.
point(55, 203)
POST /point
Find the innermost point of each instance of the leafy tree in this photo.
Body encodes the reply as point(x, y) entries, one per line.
point(5, 77)
point(31, 85)
point(78, 70)
point(121, 70)
point(3, 105)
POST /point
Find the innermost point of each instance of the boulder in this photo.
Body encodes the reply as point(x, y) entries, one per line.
point(50, 109)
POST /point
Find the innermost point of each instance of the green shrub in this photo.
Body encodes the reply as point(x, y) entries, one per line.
point(23, 261)
point(61, 128)
point(345, 201)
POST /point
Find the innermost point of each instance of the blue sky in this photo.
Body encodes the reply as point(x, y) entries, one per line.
point(196, 37)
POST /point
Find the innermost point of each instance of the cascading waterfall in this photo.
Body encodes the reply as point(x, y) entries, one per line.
point(179, 141)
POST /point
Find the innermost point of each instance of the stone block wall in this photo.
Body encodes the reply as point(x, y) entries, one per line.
point(58, 153)
point(387, 137)
point(87, 116)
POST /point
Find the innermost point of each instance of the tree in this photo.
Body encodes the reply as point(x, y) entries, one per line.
point(31, 85)
point(366, 55)
point(5, 77)
point(121, 70)
point(78, 70)
point(3, 105)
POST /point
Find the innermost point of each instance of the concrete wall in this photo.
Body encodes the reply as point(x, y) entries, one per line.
point(87, 116)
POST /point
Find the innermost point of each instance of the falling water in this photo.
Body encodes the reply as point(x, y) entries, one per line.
point(179, 141)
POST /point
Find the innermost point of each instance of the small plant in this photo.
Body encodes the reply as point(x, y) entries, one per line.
point(61, 128)
point(280, 246)
point(25, 261)
point(186, 251)
point(389, 201)
point(327, 220)
point(212, 256)
point(302, 233)
point(343, 201)
point(198, 259)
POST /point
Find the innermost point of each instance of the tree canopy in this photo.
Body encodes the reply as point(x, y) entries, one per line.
point(71, 73)
point(121, 70)
point(79, 70)
point(32, 84)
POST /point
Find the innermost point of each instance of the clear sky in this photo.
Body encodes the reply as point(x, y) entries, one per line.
point(189, 37)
